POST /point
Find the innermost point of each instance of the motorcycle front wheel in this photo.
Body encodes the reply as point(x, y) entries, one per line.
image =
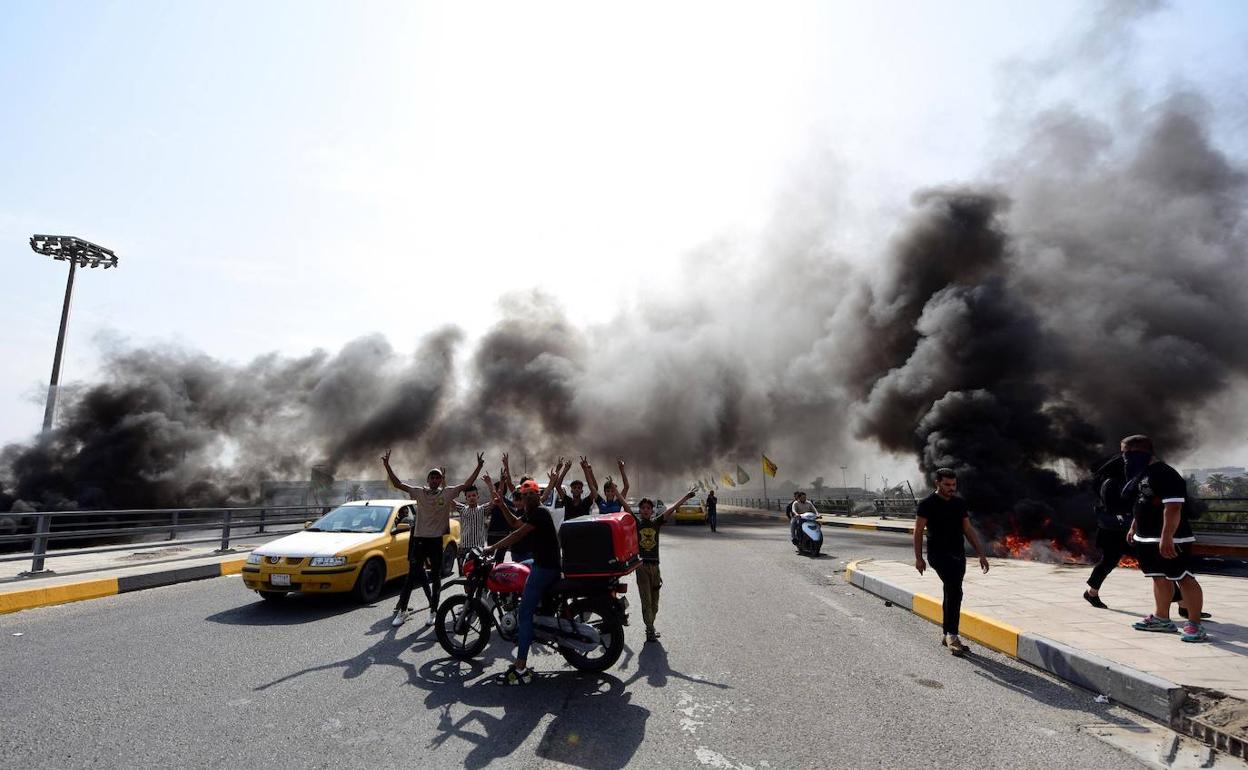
point(610, 634)
point(463, 627)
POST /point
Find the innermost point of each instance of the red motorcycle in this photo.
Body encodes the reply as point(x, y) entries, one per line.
point(582, 615)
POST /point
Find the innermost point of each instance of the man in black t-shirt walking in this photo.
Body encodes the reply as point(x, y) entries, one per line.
point(1163, 537)
point(945, 518)
point(712, 514)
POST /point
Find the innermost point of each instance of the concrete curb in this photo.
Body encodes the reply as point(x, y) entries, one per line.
point(1148, 694)
point(26, 599)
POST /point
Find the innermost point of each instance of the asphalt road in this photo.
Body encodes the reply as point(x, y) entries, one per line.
point(768, 660)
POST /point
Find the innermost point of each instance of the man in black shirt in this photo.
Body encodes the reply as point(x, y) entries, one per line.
point(945, 518)
point(712, 502)
point(578, 504)
point(538, 532)
point(649, 580)
point(1163, 537)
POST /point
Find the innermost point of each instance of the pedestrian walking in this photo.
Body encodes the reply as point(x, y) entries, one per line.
point(943, 515)
point(711, 503)
point(649, 579)
point(1162, 536)
point(1113, 520)
point(433, 522)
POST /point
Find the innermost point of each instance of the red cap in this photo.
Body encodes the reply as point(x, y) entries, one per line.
point(529, 486)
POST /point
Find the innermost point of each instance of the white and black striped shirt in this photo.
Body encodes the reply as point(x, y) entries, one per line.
point(473, 521)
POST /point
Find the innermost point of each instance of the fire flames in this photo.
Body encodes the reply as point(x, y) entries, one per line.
point(1074, 549)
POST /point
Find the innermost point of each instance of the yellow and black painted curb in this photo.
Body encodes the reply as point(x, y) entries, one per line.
point(94, 588)
point(1144, 692)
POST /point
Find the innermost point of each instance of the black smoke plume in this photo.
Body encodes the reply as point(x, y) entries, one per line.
point(1012, 329)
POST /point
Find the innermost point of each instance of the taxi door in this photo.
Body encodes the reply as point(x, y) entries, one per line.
point(396, 549)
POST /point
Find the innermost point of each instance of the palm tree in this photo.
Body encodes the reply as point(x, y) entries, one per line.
point(1218, 483)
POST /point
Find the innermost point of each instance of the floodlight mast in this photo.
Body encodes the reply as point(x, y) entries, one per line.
point(78, 253)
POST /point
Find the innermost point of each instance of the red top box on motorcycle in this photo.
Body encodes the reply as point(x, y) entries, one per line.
point(600, 546)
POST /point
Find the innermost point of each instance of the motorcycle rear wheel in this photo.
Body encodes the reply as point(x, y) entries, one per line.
point(610, 631)
point(463, 627)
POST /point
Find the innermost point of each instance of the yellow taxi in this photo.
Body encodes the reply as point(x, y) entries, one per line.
point(692, 512)
point(356, 547)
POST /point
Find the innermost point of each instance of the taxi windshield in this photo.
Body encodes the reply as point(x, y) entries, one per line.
point(353, 518)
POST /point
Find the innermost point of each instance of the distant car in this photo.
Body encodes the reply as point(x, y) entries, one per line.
point(692, 512)
point(357, 547)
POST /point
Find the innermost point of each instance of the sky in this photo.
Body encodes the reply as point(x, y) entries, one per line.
point(286, 176)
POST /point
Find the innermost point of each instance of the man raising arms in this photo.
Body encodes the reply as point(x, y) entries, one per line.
point(433, 520)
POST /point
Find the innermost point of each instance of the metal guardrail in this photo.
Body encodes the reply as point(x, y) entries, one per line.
point(83, 525)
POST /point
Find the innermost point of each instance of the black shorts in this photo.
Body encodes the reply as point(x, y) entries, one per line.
point(1153, 564)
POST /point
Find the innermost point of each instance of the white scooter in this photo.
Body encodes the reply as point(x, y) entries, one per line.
point(809, 534)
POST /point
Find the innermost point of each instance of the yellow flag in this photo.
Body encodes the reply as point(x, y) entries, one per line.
point(769, 467)
point(727, 480)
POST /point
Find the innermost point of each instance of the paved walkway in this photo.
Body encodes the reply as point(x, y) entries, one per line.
point(1046, 599)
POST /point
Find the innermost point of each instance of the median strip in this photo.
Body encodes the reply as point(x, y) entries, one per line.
point(17, 597)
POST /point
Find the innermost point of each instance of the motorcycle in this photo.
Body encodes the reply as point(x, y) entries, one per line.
point(809, 534)
point(583, 618)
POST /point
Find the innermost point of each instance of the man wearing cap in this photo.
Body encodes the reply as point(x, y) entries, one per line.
point(433, 521)
point(537, 534)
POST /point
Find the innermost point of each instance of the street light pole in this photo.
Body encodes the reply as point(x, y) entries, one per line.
point(76, 252)
point(844, 483)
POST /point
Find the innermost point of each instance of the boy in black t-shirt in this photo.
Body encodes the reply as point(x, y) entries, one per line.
point(945, 518)
point(649, 579)
point(1163, 537)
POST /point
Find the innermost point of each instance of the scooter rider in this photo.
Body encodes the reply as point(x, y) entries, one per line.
point(542, 540)
point(800, 505)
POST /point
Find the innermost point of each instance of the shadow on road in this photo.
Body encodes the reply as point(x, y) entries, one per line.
point(1043, 689)
point(296, 609)
point(652, 664)
point(596, 725)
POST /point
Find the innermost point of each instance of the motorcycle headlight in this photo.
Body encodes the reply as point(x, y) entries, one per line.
point(328, 561)
point(254, 558)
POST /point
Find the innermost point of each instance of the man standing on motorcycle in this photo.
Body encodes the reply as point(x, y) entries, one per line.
point(537, 530)
point(649, 579)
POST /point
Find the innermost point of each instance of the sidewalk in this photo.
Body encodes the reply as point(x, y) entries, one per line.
point(1036, 612)
point(90, 576)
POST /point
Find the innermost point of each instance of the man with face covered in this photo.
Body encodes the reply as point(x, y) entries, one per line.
point(433, 520)
point(1162, 536)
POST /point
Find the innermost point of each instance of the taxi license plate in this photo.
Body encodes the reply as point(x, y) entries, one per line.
point(279, 580)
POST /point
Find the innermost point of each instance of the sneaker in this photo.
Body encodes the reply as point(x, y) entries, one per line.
point(1194, 632)
point(400, 617)
point(512, 677)
point(1154, 623)
point(433, 618)
point(1095, 601)
point(956, 648)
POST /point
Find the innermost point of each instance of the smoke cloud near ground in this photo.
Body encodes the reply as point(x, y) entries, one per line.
point(1012, 328)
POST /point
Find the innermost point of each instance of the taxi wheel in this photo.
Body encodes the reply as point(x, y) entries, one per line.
point(370, 582)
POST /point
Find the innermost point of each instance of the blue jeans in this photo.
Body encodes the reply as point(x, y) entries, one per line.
point(540, 578)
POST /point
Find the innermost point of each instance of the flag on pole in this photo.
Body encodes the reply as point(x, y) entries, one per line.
point(727, 480)
point(742, 476)
point(769, 467)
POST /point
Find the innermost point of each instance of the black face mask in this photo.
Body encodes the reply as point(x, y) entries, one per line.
point(1136, 463)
